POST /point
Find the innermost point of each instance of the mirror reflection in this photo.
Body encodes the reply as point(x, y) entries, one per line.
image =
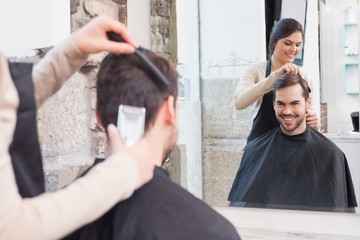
point(213, 133)
point(324, 64)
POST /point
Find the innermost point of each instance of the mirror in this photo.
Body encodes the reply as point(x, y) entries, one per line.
point(225, 55)
point(232, 35)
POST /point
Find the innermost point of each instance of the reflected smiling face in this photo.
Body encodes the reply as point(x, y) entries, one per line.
point(287, 48)
point(290, 109)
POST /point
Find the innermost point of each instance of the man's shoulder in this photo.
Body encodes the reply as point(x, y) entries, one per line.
point(321, 143)
point(161, 189)
point(165, 203)
point(263, 139)
point(319, 138)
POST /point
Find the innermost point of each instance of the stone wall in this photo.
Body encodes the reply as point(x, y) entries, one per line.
point(323, 118)
point(69, 135)
point(225, 131)
point(163, 29)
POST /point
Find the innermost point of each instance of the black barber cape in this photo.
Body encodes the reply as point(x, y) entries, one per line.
point(25, 148)
point(159, 210)
point(305, 171)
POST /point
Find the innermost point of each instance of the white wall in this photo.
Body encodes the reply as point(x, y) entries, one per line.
point(232, 35)
point(139, 22)
point(350, 148)
point(190, 107)
point(25, 25)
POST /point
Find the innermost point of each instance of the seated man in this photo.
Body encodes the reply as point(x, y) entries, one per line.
point(160, 209)
point(293, 166)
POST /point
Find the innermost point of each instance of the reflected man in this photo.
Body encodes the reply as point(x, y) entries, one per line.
point(293, 166)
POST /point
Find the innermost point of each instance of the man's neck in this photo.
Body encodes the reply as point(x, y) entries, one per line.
point(158, 145)
point(298, 131)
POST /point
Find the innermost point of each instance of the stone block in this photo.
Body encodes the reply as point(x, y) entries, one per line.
point(164, 27)
point(59, 177)
point(122, 2)
point(221, 160)
point(221, 157)
point(217, 99)
point(93, 100)
point(244, 119)
point(51, 180)
point(225, 130)
point(93, 123)
point(232, 145)
point(153, 8)
point(64, 119)
point(93, 61)
point(98, 144)
point(91, 76)
point(65, 176)
point(95, 8)
point(74, 6)
point(216, 191)
point(221, 164)
point(123, 14)
point(78, 22)
point(163, 8)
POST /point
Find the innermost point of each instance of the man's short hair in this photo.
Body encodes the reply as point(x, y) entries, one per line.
point(124, 79)
point(290, 79)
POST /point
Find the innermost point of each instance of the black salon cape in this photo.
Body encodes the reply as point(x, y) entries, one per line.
point(159, 210)
point(25, 149)
point(305, 171)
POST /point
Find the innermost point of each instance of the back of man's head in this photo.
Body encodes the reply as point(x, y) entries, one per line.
point(291, 79)
point(124, 79)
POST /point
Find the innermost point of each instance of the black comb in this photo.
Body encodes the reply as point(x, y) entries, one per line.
point(160, 80)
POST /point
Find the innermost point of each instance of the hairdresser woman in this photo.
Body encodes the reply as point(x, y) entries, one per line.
point(254, 88)
point(54, 215)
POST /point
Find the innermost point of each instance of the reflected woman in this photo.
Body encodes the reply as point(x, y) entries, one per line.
point(254, 88)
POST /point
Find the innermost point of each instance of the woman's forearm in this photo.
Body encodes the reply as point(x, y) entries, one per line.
point(55, 68)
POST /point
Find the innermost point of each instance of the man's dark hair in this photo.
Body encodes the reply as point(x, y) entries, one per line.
point(123, 79)
point(290, 79)
point(284, 28)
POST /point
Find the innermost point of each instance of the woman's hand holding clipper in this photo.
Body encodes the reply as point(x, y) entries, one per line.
point(141, 153)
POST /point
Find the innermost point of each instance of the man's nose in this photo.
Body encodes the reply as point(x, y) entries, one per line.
point(287, 110)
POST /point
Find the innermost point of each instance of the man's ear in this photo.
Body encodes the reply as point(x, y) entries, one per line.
point(170, 112)
point(99, 121)
point(308, 103)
